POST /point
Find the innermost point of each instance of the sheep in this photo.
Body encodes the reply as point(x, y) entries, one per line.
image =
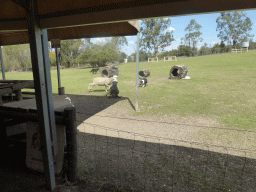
point(101, 81)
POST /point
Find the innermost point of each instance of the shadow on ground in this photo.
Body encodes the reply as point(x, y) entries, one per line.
point(88, 105)
point(153, 166)
point(125, 159)
point(14, 174)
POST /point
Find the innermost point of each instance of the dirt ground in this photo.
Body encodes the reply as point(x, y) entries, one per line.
point(110, 133)
point(119, 129)
point(119, 115)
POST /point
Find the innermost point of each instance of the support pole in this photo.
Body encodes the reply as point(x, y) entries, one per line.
point(71, 136)
point(137, 73)
point(61, 90)
point(43, 89)
point(58, 66)
point(2, 63)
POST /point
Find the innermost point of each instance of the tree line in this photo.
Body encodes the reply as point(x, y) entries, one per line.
point(155, 35)
point(233, 29)
point(83, 51)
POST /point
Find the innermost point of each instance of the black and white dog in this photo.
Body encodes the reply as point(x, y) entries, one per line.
point(94, 70)
point(113, 91)
point(143, 82)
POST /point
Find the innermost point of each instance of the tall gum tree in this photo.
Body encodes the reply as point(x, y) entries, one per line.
point(234, 27)
point(70, 50)
point(119, 41)
point(155, 35)
point(193, 36)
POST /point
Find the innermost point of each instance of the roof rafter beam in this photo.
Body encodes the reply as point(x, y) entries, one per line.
point(22, 3)
point(166, 9)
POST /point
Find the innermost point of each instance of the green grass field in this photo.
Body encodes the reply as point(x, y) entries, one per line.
point(221, 87)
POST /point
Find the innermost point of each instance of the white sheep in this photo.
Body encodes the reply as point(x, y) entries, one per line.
point(101, 81)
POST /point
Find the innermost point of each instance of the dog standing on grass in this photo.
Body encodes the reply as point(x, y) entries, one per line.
point(143, 82)
point(113, 91)
point(94, 70)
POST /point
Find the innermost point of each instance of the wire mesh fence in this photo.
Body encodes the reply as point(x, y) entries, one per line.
point(152, 163)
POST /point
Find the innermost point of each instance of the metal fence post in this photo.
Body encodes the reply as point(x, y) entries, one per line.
point(58, 67)
point(2, 63)
point(137, 73)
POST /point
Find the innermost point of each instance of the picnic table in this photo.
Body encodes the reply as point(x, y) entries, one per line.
point(14, 86)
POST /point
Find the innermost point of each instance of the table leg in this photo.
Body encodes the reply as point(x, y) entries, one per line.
point(18, 95)
point(3, 134)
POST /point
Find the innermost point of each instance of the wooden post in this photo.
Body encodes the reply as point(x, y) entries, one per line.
point(61, 90)
point(71, 138)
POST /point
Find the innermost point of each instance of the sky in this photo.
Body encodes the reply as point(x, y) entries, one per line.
point(178, 25)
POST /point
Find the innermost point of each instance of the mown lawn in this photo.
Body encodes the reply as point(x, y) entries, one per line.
point(221, 86)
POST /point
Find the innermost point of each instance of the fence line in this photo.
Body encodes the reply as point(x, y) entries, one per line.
point(125, 118)
point(152, 163)
point(157, 137)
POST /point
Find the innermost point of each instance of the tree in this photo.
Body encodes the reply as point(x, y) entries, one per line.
point(143, 56)
point(233, 26)
point(70, 50)
point(205, 50)
point(122, 57)
point(216, 48)
point(52, 58)
point(130, 59)
point(17, 57)
point(119, 42)
point(252, 45)
point(99, 55)
point(154, 35)
point(183, 50)
point(193, 35)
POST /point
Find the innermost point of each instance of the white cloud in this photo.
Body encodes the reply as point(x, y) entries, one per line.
point(101, 40)
point(174, 46)
point(131, 42)
point(170, 29)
